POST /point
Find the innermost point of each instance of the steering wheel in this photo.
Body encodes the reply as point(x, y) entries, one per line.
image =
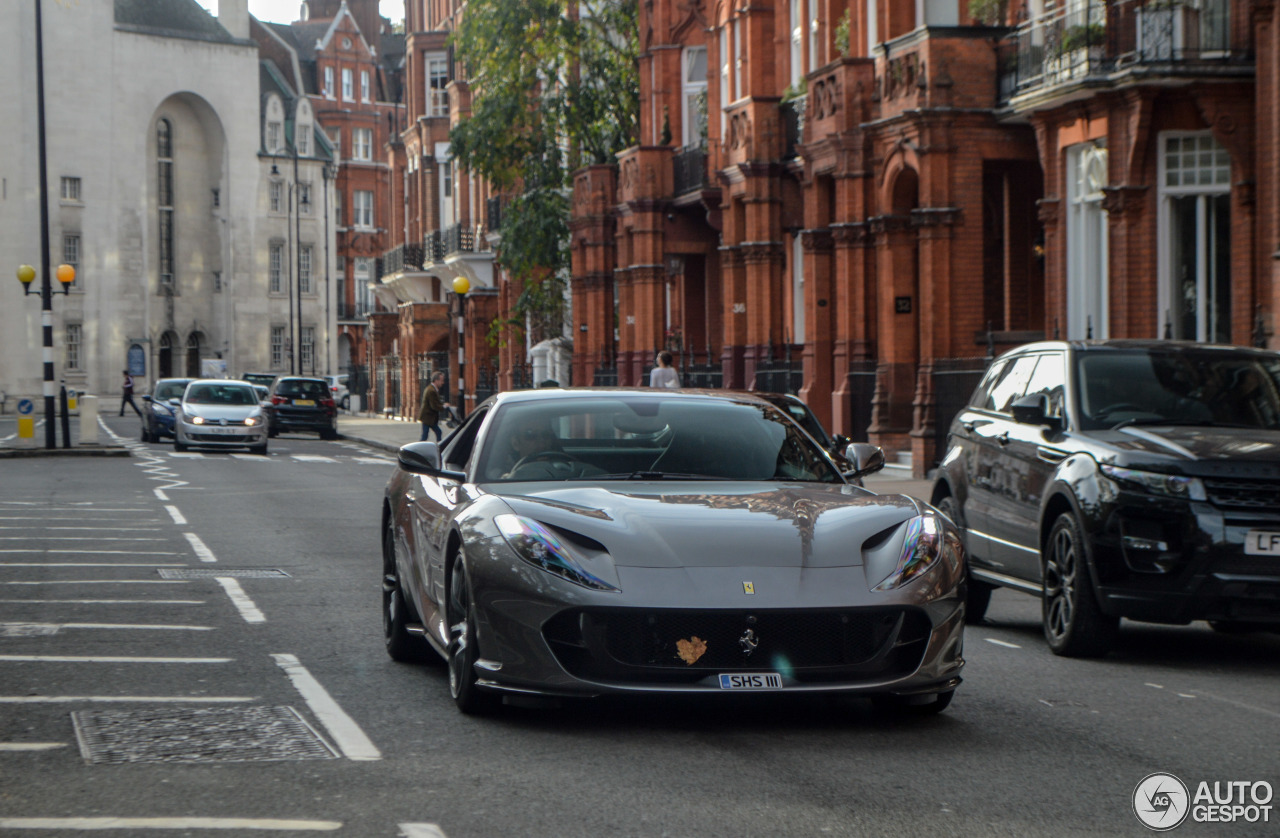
point(551, 456)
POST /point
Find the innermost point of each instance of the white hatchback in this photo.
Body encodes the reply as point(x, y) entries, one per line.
point(338, 386)
point(217, 413)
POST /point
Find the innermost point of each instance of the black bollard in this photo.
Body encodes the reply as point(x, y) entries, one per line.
point(66, 417)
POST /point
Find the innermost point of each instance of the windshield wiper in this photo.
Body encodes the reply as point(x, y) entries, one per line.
point(647, 475)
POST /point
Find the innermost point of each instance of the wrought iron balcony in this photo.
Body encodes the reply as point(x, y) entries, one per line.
point(464, 238)
point(401, 258)
point(1113, 42)
point(690, 169)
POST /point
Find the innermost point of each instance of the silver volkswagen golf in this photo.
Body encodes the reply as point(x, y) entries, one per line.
point(217, 413)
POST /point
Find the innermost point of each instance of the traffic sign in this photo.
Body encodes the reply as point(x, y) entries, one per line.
point(26, 406)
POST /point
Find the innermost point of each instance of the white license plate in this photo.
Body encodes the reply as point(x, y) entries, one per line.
point(757, 681)
point(1262, 543)
point(221, 431)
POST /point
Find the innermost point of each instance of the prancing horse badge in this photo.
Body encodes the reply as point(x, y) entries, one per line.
point(748, 588)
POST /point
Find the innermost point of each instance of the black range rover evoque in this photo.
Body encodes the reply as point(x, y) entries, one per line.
point(1135, 479)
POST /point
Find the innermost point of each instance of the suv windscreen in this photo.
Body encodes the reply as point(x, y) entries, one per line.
point(1178, 388)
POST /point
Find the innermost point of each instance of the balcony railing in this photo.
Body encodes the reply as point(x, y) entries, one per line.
point(464, 238)
point(353, 311)
point(1097, 39)
point(401, 258)
point(690, 169)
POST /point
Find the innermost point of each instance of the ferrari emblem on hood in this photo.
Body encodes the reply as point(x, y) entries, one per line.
point(692, 649)
point(748, 587)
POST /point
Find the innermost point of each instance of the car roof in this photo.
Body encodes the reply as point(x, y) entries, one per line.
point(574, 393)
point(1131, 344)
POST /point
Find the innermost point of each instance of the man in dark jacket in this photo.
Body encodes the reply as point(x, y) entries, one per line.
point(432, 406)
point(126, 394)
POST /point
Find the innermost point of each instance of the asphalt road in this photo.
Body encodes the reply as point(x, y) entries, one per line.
point(192, 644)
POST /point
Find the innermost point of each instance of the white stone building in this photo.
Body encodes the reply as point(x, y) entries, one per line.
point(162, 135)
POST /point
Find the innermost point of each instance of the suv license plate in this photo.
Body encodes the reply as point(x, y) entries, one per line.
point(305, 402)
point(1262, 543)
point(758, 681)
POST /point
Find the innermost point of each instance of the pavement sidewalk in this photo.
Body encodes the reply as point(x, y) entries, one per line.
point(389, 434)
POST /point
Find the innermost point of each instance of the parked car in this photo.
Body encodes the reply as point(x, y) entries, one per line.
point(301, 404)
point(220, 413)
point(157, 419)
point(338, 386)
point(1122, 479)
point(263, 378)
point(588, 542)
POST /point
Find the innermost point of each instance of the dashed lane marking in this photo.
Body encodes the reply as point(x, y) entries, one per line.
point(127, 699)
point(202, 551)
point(256, 824)
point(241, 600)
point(1002, 643)
point(11, 747)
point(101, 659)
point(175, 514)
point(421, 830)
point(350, 739)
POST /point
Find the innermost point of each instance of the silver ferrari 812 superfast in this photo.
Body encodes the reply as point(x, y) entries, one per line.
point(586, 542)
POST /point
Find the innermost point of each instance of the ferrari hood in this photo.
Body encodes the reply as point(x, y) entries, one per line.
point(714, 524)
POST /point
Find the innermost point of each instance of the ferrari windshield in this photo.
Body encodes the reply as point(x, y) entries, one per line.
point(639, 437)
point(1209, 387)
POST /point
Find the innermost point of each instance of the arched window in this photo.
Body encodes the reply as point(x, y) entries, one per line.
point(164, 199)
point(165, 360)
point(193, 355)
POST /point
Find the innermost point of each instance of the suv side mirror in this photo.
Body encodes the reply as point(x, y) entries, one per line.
point(424, 458)
point(1034, 410)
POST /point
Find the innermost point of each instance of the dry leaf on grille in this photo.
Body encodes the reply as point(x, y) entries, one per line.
point(690, 650)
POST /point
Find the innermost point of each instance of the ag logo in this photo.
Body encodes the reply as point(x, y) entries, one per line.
point(1161, 802)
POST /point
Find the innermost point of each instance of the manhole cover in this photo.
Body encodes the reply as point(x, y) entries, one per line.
point(212, 572)
point(240, 734)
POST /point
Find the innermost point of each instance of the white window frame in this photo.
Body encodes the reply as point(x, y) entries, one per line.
point(436, 70)
point(274, 133)
point(277, 347)
point(738, 92)
point(797, 289)
point(71, 254)
point(307, 345)
point(362, 144)
point(275, 267)
point(1218, 177)
point(1088, 283)
point(304, 140)
point(362, 209)
point(688, 116)
point(74, 341)
point(348, 85)
point(275, 196)
point(797, 41)
point(71, 189)
point(328, 83)
point(364, 86)
point(304, 269)
point(724, 81)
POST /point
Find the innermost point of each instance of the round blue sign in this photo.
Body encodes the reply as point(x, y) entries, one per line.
point(25, 406)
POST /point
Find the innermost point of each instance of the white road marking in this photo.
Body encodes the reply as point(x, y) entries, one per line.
point(421, 830)
point(344, 730)
point(70, 538)
point(104, 601)
point(202, 551)
point(103, 582)
point(257, 458)
point(160, 495)
point(30, 746)
point(75, 507)
point(1185, 695)
point(94, 824)
point(85, 529)
point(379, 461)
point(98, 659)
point(175, 515)
point(312, 458)
point(126, 699)
point(186, 455)
point(1002, 643)
point(241, 600)
point(1157, 686)
point(78, 518)
point(123, 626)
point(97, 552)
point(89, 564)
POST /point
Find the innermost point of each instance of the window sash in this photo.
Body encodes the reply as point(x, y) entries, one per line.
point(275, 268)
point(71, 189)
point(304, 270)
point(277, 347)
point(348, 84)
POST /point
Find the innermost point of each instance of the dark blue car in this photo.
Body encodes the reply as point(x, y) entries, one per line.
point(157, 419)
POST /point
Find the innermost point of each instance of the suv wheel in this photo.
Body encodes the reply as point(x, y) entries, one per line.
point(979, 593)
point(1074, 625)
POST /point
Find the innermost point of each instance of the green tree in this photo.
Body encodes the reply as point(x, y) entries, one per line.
point(554, 87)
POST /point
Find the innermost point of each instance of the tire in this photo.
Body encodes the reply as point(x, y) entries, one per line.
point(463, 651)
point(913, 705)
point(178, 444)
point(259, 449)
point(146, 437)
point(329, 434)
point(1074, 625)
point(978, 595)
point(346, 403)
point(272, 433)
point(397, 614)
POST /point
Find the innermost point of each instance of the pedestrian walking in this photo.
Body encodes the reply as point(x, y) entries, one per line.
point(433, 404)
point(126, 395)
point(664, 375)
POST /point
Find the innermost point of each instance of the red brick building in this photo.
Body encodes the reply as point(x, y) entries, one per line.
point(351, 63)
point(861, 201)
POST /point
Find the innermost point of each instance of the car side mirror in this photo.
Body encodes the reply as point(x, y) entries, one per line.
point(175, 402)
point(1034, 410)
point(146, 398)
point(866, 458)
point(424, 458)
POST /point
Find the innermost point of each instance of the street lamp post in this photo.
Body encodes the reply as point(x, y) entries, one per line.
point(460, 287)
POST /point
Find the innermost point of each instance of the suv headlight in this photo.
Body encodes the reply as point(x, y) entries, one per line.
point(540, 547)
point(927, 543)
point(1155, 483)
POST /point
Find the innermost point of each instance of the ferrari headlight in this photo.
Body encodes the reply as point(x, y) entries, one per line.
point(1155, 483)
point(927, 543)
point(540, 547)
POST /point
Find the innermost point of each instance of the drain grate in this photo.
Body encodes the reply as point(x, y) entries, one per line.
point(241, 734)
point(213, 572)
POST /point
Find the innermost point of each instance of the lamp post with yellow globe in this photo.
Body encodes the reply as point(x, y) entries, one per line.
point(460, 287)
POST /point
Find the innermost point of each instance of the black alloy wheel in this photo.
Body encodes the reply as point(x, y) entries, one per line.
point(462, 651)
point(402, 647)
point(978, 596)
point(1074, 624)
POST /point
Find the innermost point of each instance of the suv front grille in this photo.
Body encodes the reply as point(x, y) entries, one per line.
point(1243, 494)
